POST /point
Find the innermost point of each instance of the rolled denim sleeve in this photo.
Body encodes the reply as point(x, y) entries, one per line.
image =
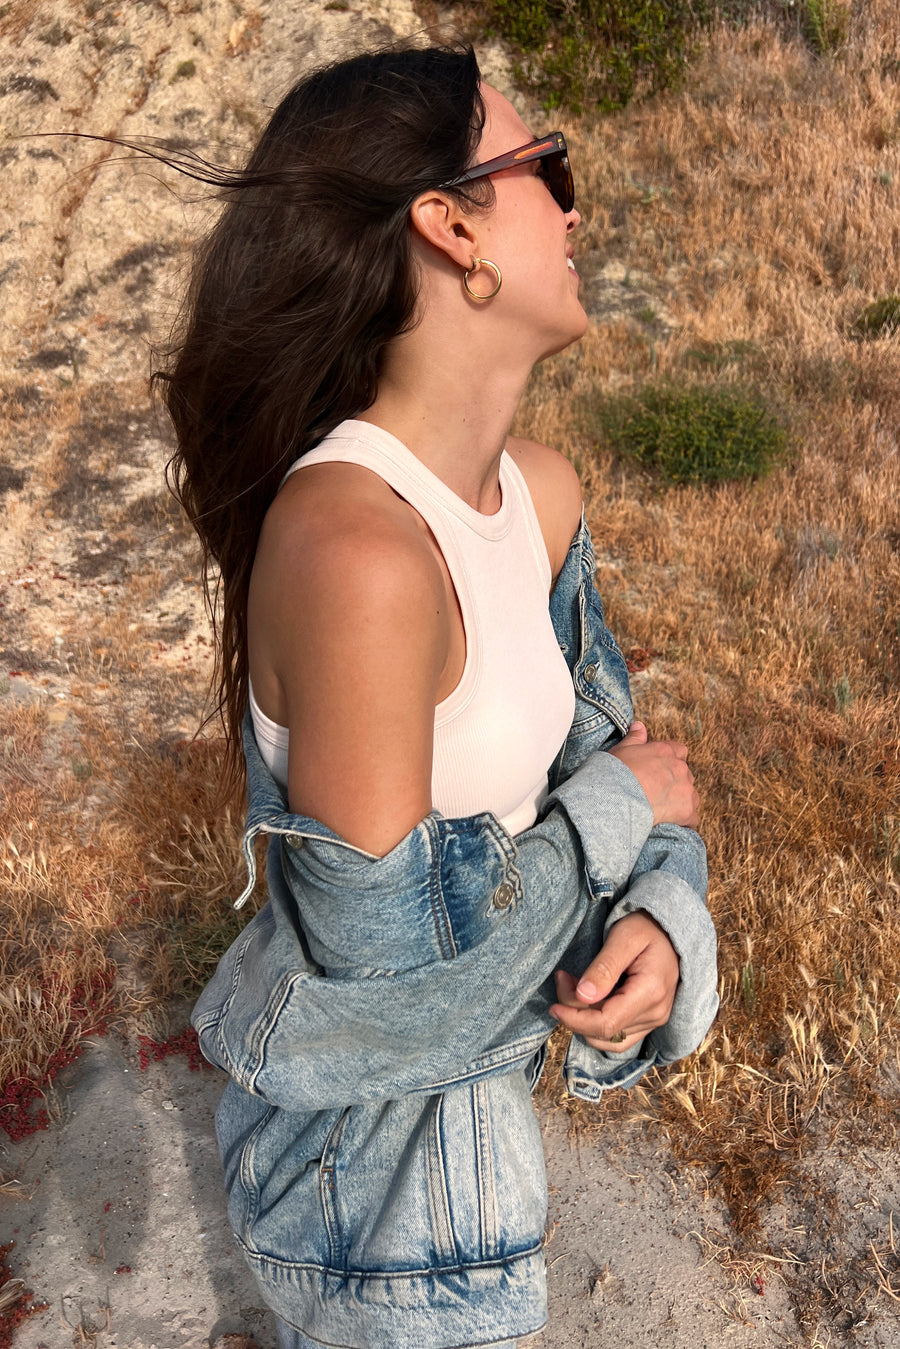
point(669, 879)
point(370, 978)
point(669, 884)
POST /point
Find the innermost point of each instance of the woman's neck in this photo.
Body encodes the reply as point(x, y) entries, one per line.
point(452, 415)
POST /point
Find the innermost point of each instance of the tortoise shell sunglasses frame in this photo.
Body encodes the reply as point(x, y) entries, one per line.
point(553, 155)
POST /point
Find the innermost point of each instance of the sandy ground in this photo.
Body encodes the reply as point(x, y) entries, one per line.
point(119, 1224)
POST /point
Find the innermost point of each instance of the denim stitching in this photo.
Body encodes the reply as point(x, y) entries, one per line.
point(438, 1195)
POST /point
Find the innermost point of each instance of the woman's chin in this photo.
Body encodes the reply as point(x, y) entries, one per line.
point(576, 331)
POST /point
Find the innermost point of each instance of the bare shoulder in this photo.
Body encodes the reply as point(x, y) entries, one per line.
point(337, 528)
point(555, 491)
point(341, 565)
point(550, 471)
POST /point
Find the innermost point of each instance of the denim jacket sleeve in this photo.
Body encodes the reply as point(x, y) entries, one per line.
point(369, 978)
point(669, 879)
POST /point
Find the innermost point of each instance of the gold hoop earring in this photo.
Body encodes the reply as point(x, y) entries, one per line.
point(482, 262)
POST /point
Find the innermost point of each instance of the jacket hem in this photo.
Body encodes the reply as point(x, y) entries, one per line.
point(439, 1308)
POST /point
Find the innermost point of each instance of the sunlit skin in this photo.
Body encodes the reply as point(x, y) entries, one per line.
point(354, 626)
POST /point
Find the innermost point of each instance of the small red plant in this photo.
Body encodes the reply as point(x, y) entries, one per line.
point(184, 1042)
point(638, 658)
point(87, 1016)
point(22, 1305)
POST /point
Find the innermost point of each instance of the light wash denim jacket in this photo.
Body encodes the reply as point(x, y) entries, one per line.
point(384, 1020)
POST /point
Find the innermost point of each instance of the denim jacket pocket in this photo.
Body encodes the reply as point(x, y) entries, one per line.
point(359, 1176)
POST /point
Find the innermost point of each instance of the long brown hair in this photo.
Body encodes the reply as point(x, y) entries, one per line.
point(306, 277)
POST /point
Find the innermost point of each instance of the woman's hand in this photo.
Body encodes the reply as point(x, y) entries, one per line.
point(661, 768)
point(628, 987)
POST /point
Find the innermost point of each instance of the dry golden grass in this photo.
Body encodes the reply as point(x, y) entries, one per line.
point(114, 884)
point(762, 201)
point(762, 204)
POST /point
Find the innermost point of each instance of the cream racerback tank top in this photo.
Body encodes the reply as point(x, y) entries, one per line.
point(500, 729)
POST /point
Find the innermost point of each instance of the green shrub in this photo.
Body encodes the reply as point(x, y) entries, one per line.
point(599, 53)
point(692, 433)
point(718, 355)
point(881, 319)
point(824, 24)
point(595, 53)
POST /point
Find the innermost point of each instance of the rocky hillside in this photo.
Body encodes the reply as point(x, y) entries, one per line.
point(97, 574)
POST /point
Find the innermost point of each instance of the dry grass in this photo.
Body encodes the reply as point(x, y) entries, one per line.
point(124, 871)
point(761, 203)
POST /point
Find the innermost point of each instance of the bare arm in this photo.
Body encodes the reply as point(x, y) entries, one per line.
point(348, 614)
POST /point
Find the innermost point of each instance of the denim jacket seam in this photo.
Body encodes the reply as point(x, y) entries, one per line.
point(389, 1275)
point(327, 1169)
point(216, 1015)
point(248, 1186)
point(441, 918)
point(266, 1026)
point(438, 1190)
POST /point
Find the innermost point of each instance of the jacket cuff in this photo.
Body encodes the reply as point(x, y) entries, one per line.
point(684, 917)
point(609, 810)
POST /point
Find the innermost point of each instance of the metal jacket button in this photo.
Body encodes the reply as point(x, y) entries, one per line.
point(504, 895)
point(590, 673)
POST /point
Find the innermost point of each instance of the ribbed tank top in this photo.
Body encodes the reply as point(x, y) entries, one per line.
point(497, 733)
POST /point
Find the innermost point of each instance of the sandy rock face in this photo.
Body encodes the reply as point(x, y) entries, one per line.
point(86, 238)
point(95, 562)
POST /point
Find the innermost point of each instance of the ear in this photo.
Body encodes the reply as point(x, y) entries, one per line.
point(437, 219)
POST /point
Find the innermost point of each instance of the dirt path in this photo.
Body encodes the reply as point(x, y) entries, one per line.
point(119, 1222)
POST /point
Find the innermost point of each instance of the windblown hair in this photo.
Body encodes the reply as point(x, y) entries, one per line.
point(305, 279)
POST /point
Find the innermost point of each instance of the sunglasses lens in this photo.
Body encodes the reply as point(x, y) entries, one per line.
point(558, 174)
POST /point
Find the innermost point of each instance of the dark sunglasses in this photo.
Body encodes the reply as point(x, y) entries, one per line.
point(555, 168)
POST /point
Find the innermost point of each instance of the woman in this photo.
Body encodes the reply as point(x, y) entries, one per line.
point(435, 718)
